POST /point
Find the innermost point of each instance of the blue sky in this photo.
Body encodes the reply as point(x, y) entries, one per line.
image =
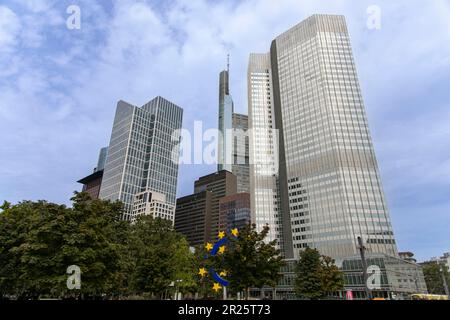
point(59, 89)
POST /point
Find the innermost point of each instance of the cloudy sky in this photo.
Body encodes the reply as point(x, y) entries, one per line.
point(59, 88)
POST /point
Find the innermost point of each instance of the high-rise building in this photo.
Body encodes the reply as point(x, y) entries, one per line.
point(233, 144)
point(226, 109)
point(264, 194)
point(220, 184)
point(92, 182)
point(102, 158)
point(240, 152)
point(193, 217)
point(327, 191)
point(153, 204)
point(234, 211)
point(143, 152)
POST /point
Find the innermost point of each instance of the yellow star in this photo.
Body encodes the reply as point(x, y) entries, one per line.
point(216, 287)
point(208, 246)
point(202, 272)
point(235, 232)
point(221, 249)
point(221, 234)
point(223, 273)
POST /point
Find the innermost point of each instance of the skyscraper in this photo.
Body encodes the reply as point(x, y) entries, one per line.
point(240, 152)
point(264, 193)
point(193, 217)
point(92, 183)
point(327, 189)
point(102, 158)
point(226, 109)
point(220, 184)
point(143, 152)
point(233, 144)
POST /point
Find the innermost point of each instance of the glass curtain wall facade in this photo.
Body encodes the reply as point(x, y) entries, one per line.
point(142, 151)
point(240, 157)
point(226, 108)
point(263, 151)
point(329, 183)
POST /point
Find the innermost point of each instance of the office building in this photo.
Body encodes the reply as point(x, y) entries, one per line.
point(193, 217)
point(233, 144)
point(102, 159)
point(329, 185)
point(264, 175)
point(143, 152)
point(314, 177)
point(226, 108)
point(240, 152)
point(92, 182)
point(220, 184)
point(234, 212)
point(153, 204)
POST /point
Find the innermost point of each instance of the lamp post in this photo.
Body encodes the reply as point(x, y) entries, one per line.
point(444, 279)
point(176, 288)
point(362, 250)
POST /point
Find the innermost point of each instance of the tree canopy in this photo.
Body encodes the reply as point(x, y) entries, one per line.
point(40, 240)
point(316, 275)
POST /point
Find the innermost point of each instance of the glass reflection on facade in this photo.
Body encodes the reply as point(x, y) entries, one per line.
point(141, 152)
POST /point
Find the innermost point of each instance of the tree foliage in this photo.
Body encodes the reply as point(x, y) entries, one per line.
point(40, 240)
point(433, 272)
point(159, 256)
point(251, 261)
point(316, 276)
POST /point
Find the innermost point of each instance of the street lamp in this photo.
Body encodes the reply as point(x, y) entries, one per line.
point(176, 288)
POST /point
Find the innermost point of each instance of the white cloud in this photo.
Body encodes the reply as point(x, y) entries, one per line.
point(9, 29)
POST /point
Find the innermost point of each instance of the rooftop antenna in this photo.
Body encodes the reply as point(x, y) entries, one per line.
point(228, 63)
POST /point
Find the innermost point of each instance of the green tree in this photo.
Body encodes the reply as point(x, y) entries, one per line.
point(432, 272)
point(252, 262)
point(308, 282)
point(332, 279)
point(159, 257)
point(40, 240)
point(316, 276)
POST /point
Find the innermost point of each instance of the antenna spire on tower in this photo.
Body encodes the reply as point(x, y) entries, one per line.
point(228, 62)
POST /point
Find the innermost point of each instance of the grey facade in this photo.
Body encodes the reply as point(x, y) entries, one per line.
point(102, 159)
point(329, 190)
point(220, 184)
point(240, 153)
point(143, 153)
point(193, 217)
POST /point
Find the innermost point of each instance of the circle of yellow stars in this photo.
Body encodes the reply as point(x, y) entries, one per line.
point(209, 246)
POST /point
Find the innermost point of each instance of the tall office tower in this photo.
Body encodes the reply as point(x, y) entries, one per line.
point(92, 183)
point(193, 217)
point(102, 158)
point(234, 211)
point(225, 123)
point(143, 152)
point(220, 184)
point(264, 195)
point(240, 155)
point(329, 184)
